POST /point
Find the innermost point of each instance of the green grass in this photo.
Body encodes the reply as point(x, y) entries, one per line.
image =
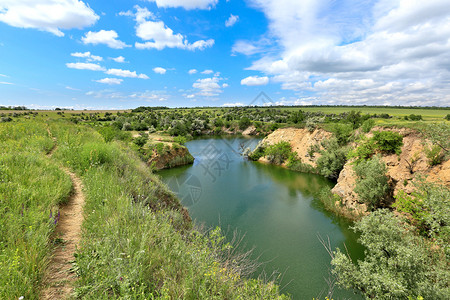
point(31, 187)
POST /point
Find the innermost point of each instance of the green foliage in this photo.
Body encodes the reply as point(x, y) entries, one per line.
point(257, 153)
point(372, 183)
point(342, 132)
point(332, 159)
point(388, 141)
point(428, 208)
point(367, 125)
point(110, 133)
point(382, 141)
point(278, 152)
point(434, 155)
point(397, 264)
point(365, 150)
point(447, 117)
point(354, 118)
point(180, 140)
point(141, 140)
point(413, 117)
point(439, 134)
point(244, 122)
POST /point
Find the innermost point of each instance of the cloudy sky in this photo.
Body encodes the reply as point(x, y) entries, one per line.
point(124, 53)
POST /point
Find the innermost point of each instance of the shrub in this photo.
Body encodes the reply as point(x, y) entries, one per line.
point(397, 263)
point(278, 152)
point(372, 183)
point(342, 132)
point(141, 140)
point(367, 125)
point(388, 141)
point(332, 160)
point(364, 151)
point(244, 122)
point(447, 117)
point(180, 140)
point(434, 155)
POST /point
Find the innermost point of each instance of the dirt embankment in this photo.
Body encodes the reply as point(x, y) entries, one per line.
point(171, 156)
point(301, 141)
point(401, 168)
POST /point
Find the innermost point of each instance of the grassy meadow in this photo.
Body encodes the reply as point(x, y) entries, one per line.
point(138, 242)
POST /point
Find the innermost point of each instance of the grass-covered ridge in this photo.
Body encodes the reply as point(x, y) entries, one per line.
point(138, 241)
point(31, 187)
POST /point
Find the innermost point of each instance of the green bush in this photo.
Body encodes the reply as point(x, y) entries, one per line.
point(388, 141)
point(447, 117)
point(244, 122)
point(278, 152)
point(141, 140)
point(180, 140)
point(434, 155)
point(332, 159)
point(367, 125)
point(372, 183)
point(397, 263)
point(365, 150)
point(342, 132)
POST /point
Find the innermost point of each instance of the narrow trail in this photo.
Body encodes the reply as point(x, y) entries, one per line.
point(59, 279)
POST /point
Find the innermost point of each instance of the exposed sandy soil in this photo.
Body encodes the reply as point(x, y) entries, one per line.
point(59, 279)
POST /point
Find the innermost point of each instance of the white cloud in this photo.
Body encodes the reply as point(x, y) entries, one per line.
point(87, 55)
point(209, 87)
point(72, 89)
point(207, 72)
point(47, 15)
point(8, 83)
point(3, 75)
point(255, 80)
point(159, 70)
point(119, 59)
point(186, 4)
point(402, 46)
point(126, 73)
point(233, 104)
point(192, 71)
point(231, 20)
point(225, 85)
point(158, 36)
point(107, 37)
point(110, 81)
point(85, 66)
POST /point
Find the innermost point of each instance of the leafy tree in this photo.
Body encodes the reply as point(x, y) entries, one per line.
point(141, 140)
point(447, 117)
point(439, 134)
point(372, 183)
point(332, 160)
point(397, 263)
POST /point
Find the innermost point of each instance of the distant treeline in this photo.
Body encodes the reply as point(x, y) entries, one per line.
point(13, 108)
point(142, 108)
point(146, 108)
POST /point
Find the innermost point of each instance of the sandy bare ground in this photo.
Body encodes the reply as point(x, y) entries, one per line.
point(59, 279)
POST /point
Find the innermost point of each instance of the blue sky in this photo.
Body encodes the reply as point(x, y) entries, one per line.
point(123, 54)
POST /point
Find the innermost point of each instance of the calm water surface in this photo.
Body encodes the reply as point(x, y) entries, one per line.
point(274, 208)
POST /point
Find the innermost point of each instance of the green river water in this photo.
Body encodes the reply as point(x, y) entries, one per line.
point(275, 208)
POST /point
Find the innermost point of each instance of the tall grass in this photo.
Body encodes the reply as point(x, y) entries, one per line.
point(31, 187)
point(138, 241)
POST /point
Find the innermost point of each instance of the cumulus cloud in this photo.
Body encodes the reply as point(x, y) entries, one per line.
point(233, 104)
point(158, 36)
point(106, 37)
point(255, 80)
point(118, 59)
point(159, 70)
point(400, 45)
point(186, 4)
point(85, 66)
point(87, 55)
point(231, 20)
point(192, 71)
point(208, 87)
point(125, 73)
point(110, 81)
point(47, 15)
point(207, 72)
